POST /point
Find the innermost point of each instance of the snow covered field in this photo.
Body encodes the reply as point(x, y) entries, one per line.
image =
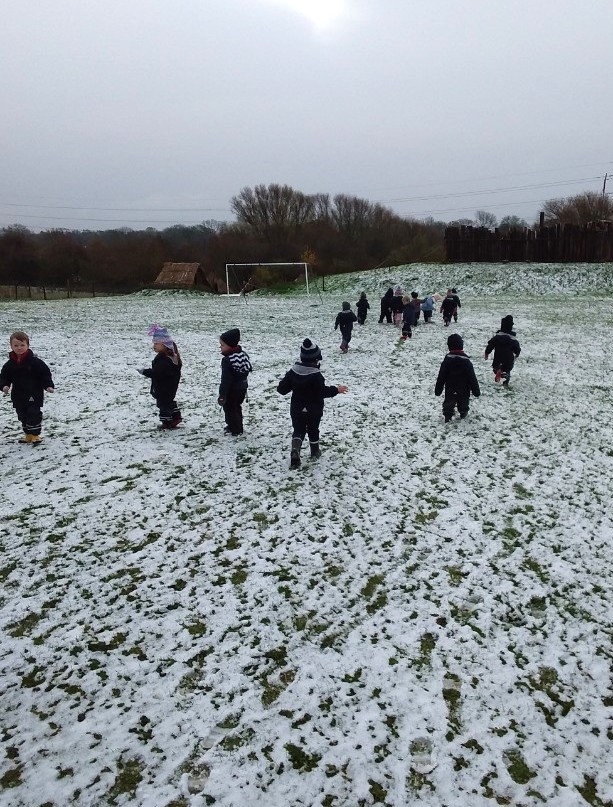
point(421, 617)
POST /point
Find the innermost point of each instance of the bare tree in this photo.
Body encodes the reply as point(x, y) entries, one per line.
point(580, 209)
point(485, 219)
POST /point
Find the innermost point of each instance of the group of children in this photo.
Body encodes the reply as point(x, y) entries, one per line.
point(28, 378)
point(397, 307)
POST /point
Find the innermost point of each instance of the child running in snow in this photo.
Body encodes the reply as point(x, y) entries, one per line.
point(506, 348)
point(344, 321)
point(408, 318)
point(458, 304)
point(28, 378)
point(309, 390)
point(427, 306)
point(362, 307)
point(457, 377)
point(416, 303)
point(397, 306)
point(165, 374)
point(448, 307)
point(386, 306)
point(235, 369)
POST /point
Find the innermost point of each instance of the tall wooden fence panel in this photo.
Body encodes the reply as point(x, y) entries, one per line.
point(570, 243)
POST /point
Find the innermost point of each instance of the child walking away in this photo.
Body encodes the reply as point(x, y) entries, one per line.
point(386, 306)
point(448, 306)
point(235, 369)
point(362, 307)
point(397, 306)
point(165, 374)
point(416, 303)
point(408, 318)
point(458, 304)
point(457, 377)
point(344, 321)
point(506, 348)
point(309, 390)
point(28, 378)
point(427, 306)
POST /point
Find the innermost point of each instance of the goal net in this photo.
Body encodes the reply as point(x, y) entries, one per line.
point(241, 278)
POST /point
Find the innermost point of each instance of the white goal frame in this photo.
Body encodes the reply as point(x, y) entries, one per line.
point(260, 263)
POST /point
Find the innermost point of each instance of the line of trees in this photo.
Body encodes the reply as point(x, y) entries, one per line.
point(273, 223)
point(111, 260)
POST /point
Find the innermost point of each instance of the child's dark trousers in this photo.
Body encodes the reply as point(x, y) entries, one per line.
point(233, 410)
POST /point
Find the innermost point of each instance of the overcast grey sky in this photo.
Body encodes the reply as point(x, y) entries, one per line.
point(151, 112)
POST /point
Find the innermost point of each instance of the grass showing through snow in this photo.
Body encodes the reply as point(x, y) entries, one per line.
point(421, 616)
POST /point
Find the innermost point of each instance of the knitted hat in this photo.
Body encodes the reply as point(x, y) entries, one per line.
point(309, 351)
point(398, 290)
point(346, 306)
point(506, 324)
point(159, 334)
point(455, 342)
point(231, 338)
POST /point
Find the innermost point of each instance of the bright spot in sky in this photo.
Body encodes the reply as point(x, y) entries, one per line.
point(322, 13)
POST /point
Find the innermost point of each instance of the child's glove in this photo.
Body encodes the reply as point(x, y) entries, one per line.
point(5, 390)
point(221, 401)
point(486, 355)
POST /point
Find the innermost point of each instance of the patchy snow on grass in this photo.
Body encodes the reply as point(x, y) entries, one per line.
point(421, 616)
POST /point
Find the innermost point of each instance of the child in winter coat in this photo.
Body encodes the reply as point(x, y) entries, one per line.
point(408, 318)
point(362, 307)
point(386, 306)
point(309, 390)
point(427, 306)
point(457, 377)
point(344, 321)
point(416, 303)
point(458, 304)
point(506, 348)
point(235, 369)
point(448, 306)
point(397, 305)
point(28, 378)
point(165, 374)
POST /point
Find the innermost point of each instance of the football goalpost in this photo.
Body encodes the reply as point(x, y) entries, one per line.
point(251, 275)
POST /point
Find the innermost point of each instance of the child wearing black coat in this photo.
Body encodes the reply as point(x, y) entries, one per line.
point(386, 306)
point(449, 306)
point(506, 349)
point(458, 304)
point(309, 390)
point(165, 374)
point(396, 305)
point(362, 307)
point(344, 321)
point(408, 318)
point(457, 377)
point(28, 378)
point(235, 369)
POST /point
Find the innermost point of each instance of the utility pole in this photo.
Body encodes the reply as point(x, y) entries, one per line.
point(604, 185)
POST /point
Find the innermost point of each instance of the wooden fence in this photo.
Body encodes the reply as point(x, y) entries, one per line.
point(568, 243)
point(17, 292)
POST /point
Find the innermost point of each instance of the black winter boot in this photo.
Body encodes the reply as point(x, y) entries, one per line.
point(315, 451)
point(295, 453)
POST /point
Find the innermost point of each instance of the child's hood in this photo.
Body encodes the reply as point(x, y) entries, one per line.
point(239, 360)
point(305, 369)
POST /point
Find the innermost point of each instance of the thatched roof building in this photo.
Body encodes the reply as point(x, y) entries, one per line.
point(181, 276)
